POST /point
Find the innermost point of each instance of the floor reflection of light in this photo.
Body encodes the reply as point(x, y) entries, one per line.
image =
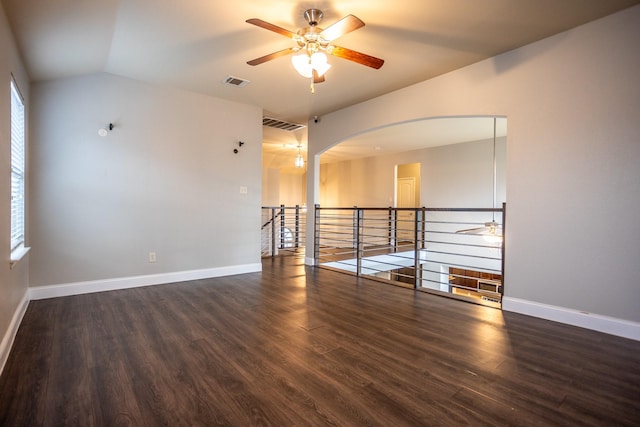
point(491, 334)
point(296, 313)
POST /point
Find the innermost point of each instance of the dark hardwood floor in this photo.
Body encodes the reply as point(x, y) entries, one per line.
point(296, 346)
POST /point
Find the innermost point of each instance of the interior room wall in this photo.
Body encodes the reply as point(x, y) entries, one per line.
point(165, 180)
point(292, 189)
point(572, 103)
point(352, 183)
point(14, 281)
point(451, 176)
point(270, 187)
point(282, 188)
point(461, 175)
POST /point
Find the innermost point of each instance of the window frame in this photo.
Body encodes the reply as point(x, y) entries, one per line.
point(18, 174)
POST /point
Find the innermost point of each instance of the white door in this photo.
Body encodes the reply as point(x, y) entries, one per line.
point(406, 199)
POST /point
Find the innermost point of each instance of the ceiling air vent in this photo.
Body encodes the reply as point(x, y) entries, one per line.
point(279, 124)
point(235, 81)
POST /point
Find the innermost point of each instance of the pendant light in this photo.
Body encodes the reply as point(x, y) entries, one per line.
point(299, 162)
point(491, 231)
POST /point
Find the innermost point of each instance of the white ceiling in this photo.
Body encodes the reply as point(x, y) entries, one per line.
point(416, 135)
point(195, 44)
point(384, 141)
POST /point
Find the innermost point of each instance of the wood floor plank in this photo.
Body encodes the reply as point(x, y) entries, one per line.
point(294, 345)
point(25, 391)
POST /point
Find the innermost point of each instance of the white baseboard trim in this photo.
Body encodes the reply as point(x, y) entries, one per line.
point(309, 261)
point(596, 322)
point(10, 335)
point(53, 291)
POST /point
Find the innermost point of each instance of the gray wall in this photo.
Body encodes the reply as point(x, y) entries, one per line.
point(164, 180)
point(13, 282)
point(572, 102)
point(451, 176)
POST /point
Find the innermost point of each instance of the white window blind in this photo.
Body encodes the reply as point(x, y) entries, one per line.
point(17, 168)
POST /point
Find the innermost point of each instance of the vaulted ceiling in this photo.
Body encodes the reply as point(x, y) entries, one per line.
point(196, 44)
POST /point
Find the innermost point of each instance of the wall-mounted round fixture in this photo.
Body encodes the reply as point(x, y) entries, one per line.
point(105, 130)
point(240, 144)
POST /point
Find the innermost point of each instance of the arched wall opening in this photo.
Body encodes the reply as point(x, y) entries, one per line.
point(455, 154)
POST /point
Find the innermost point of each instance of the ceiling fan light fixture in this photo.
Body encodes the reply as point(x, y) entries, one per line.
point(492, 238)
point(302, 65)
point(493, 232)
point(319, 63)
point(305, 64)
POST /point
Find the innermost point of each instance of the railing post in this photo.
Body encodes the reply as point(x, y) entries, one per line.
point(296, 237)
point(358, 240)
point(354, 232)
point(394, 230)
point(423, 228)
point(417, 246)
point(273, 232)
point(316, 235)
point(390, 238)
point(282, 226)
point(504, 230)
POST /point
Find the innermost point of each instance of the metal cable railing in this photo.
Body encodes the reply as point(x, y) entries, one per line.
point(283, 230)
point(457, 252)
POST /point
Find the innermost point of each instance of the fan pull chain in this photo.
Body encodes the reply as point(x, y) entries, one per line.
point(312, 87)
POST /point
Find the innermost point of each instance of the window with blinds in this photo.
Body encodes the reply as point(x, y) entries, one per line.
point(17, 168)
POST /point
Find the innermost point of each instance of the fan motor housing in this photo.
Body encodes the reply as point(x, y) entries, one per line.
point(313, 16)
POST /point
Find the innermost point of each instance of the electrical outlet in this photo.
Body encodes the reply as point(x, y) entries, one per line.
point(244, 190)
point(152, 257)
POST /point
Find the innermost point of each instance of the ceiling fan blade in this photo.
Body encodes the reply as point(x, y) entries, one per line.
point(478, 230)
point(488, 228)
point(317, 78)
point(271, 56)
point(267, 26)
point(345, 25)
point(359, 57)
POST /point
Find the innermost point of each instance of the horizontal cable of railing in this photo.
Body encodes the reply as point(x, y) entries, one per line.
point(425, 248)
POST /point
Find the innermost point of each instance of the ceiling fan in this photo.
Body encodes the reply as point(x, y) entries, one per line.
point(491, 231)
point(312, 42)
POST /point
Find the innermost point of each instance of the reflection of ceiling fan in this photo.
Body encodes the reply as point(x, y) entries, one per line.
point(312, 43)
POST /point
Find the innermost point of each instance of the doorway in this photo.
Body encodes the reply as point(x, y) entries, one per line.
point(407, 191)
